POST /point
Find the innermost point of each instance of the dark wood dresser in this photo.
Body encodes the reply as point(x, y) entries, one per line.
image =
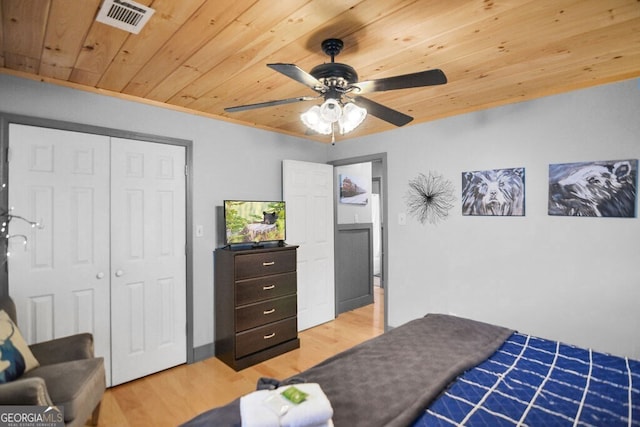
point(255, 304)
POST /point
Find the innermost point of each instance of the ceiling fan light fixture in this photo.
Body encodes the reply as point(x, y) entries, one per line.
point(312, 118)
point(330, 110)
point(352, 116)
point(320, 118)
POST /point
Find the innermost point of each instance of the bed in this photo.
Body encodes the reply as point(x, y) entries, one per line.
point(443, 370)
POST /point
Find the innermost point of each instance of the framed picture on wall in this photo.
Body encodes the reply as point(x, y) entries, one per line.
point(495, 192)
point(353, 190)
point(601, 188)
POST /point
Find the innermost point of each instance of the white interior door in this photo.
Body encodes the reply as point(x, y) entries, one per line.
point(308, 193)
point(60, 279)
point(111, 258)
point(148, 260)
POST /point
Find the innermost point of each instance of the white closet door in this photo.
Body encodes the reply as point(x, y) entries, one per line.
point(148, 258)
point(60, 279)
point(308, 192)
point(110, 259)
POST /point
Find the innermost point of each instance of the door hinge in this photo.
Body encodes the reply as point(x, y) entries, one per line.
point(186, 170)
point(8, 156)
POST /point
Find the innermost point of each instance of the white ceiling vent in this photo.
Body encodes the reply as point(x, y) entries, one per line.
point(126, 15)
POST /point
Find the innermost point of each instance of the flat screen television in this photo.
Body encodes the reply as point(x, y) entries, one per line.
point(254, 221)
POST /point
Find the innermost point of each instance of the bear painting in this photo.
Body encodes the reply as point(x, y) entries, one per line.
point(601, 189)
point(497, 192)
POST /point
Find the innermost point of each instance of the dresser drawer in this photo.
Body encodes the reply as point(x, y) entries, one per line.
point(262, 288)
point(257, 339)
point(262, 264)
point(261, 313)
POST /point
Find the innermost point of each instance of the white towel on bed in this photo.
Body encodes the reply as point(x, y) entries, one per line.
point(315, 411)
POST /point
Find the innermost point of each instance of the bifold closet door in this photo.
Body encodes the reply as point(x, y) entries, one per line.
point(110, 258)
point(148, 299)
point(60, 278)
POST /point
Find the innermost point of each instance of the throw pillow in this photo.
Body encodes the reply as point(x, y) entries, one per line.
point(15, 356)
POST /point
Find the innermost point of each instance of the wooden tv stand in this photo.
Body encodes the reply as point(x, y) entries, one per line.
point(255, 304)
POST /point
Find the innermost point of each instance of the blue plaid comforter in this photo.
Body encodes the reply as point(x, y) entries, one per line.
point(536, 382)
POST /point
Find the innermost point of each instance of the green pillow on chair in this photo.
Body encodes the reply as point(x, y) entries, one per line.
point(15, 356)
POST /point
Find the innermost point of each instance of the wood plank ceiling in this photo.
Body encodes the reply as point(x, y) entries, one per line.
point(201, 56)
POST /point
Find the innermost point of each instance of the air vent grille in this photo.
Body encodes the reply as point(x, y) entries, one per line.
point(125, 15)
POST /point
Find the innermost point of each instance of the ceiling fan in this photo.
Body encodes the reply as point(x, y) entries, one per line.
point(338, 85)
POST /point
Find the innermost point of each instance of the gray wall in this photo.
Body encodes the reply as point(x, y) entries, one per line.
point(567, 278)
point(229, 161)
point(573, 279)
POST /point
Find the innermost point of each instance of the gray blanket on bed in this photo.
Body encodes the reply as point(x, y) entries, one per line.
point(389, 380)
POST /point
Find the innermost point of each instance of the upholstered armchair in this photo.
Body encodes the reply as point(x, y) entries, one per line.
point(68, 375)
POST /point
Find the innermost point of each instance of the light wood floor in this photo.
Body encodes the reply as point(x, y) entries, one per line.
point(176, 395)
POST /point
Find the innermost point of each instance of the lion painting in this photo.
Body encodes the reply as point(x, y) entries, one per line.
point(593, 188)
point(498, 192)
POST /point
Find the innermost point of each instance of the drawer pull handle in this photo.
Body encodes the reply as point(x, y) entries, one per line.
point(273, 310)
point(268, 288)
point(268, 264)
point(266, 337)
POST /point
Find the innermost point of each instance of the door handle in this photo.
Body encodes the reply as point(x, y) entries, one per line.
point(268, 287)
point(268, 337)
point(100, 275)
point(268, 264)
point(119, 273)
point(265, 312)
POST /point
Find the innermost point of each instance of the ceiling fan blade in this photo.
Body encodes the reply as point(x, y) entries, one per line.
point(380, 111)
point(269, 103)
point(299, 75)
point(405, 81)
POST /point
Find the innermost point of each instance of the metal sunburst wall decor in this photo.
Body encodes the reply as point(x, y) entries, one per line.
point(430, 197)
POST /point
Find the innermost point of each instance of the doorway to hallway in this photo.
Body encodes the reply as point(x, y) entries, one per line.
point(361, 253)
